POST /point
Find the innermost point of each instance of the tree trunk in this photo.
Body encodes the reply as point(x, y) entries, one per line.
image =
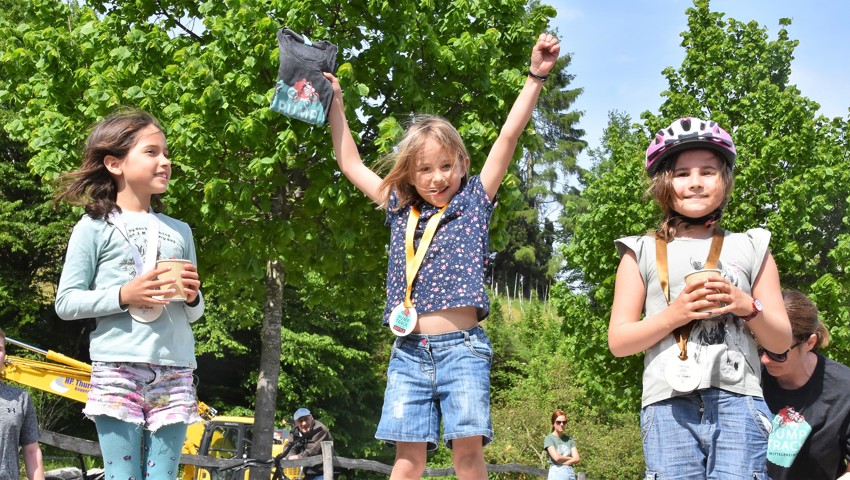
point(264, 415)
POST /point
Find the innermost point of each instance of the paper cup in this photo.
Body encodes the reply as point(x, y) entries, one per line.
point(176, 267)
point(700, 276)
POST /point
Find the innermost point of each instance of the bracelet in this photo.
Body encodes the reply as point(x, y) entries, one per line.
point(542, 78)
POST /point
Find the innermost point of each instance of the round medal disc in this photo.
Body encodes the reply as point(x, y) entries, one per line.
point(682, 375)
point(146, 313)
point(402, 320)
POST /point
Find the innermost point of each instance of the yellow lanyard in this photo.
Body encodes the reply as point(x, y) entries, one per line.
point(682, 333)
point(414, 257)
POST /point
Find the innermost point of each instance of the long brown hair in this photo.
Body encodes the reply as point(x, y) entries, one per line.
point(804, 317)
point(661, 190)
point(425, 128)
point(91, 185)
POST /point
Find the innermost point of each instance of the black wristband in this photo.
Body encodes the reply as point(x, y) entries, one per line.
point(542, 78)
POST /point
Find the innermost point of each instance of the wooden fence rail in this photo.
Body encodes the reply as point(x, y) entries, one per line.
point(327, 459)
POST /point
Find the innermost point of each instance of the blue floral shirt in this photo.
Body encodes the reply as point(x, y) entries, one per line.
point(452, 272)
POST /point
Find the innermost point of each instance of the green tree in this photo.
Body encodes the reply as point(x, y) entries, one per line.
point(788, 179)
point(543, 175)
point(269, 210)
point(31, 242)
point(533, 376)
point(613, 205)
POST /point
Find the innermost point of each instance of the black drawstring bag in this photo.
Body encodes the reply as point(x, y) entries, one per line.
point(302, 92)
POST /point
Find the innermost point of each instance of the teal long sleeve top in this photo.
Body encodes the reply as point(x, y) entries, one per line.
point(99, 260)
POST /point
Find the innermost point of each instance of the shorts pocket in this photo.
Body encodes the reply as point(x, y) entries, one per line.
point(647, 419)
point(480, 348)
point(760, 415)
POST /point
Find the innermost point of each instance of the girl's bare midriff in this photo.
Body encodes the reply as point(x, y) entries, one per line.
point(445, 321)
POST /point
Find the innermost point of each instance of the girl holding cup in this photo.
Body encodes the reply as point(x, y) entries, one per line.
point(142, 396)
point(703, 415)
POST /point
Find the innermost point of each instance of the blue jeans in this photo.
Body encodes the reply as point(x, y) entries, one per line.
point(434, 376)
point(708, 434)
point(561, 472)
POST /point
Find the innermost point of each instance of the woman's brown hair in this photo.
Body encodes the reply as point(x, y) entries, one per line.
point(804, 317)
point(556, 414)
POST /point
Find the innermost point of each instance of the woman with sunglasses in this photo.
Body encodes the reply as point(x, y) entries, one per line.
point(561, 449)
point(808, 394)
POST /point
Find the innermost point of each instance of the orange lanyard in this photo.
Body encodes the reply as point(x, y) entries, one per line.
point(413, 258)
point(682, 333)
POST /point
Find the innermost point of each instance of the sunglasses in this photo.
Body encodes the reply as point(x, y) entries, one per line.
point(559, 422)
point(778, 357)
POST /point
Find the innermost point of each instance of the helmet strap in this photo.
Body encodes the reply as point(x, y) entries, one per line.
point(703, 221)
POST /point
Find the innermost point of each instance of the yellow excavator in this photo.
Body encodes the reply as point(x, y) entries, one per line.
point(215, 436)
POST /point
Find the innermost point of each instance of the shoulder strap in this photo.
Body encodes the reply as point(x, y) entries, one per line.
point(682, 333)
point(661, 260)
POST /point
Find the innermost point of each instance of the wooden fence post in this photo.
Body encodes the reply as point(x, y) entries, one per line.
point(328, 459)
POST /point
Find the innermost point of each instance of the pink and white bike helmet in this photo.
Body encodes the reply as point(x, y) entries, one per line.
point(684, 134)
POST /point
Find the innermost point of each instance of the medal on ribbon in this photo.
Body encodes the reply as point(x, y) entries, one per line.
point(402, 320)
point(142, 313)
point(682, 375)
point(403, 317)
point(681, 372)
point(145, 313)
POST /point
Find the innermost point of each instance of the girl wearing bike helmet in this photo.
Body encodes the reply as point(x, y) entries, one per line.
point(703, 415)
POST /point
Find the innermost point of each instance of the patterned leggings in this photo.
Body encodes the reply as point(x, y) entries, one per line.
point(132, 453)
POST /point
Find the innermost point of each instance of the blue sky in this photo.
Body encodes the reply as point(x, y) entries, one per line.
point(620, 47)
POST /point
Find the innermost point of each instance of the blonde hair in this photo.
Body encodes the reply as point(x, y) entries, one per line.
point(804, 317)
point(423, 129)
point(661, 190)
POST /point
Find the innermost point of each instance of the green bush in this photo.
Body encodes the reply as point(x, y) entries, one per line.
point(532, 376)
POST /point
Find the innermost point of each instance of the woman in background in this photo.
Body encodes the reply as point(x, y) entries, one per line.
point(808, 394)
point(561, 449)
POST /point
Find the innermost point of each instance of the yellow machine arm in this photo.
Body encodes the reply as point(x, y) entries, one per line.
point(71, 378)
point(67, 377)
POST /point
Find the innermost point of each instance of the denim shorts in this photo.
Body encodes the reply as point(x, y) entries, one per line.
point(434, 376)
point(707, 434)
point(143, 394)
